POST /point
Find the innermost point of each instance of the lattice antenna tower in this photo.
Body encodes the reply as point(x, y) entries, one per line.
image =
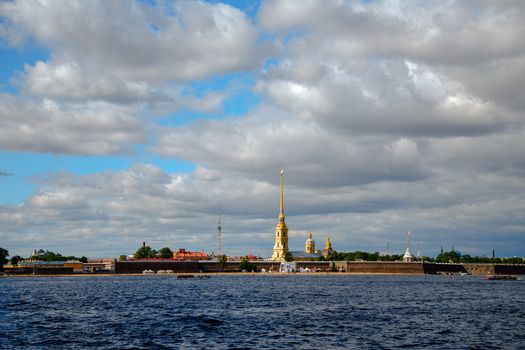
point(219, 230)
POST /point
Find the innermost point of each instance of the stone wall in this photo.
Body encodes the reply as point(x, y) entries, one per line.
point(346, 266)
point(479, 269)
point(40, 271)
point(504, 269)
point(139, 266)
point(380, 267)
point(439, 268)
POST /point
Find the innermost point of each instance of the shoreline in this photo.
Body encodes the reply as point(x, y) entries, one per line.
point(210, 274)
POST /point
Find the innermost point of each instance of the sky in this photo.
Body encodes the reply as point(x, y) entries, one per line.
point(131, 121)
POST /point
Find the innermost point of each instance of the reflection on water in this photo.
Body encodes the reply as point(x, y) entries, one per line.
point(268, 312)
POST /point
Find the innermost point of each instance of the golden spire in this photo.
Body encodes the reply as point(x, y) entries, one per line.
point(281, 231)
point(281, 202)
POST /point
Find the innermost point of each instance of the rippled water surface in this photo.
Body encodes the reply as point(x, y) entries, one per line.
point(261, 312)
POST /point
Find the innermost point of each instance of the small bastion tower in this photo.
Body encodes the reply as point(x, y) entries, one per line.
point(281, 231)
point(309, 246)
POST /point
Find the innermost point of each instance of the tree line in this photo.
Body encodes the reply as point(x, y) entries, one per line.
point(143, 252)
point(452, 256)
point(146, 252)
point(47, 256)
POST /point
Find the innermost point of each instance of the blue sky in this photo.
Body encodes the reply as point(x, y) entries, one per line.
point(387, 116)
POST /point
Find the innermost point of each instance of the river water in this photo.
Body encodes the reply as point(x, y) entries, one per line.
point(261, 312)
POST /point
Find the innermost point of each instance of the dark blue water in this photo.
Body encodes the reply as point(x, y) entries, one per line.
point(262, 312)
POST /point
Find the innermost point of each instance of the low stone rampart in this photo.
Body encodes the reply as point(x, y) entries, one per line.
point(139, 266)
point(380, 267)
point(440, 268)
point(40, 271)
point(479, 269)
point(504, 269)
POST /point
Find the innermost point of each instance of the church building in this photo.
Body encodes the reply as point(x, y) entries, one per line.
point(309, 246)
point(280, 247)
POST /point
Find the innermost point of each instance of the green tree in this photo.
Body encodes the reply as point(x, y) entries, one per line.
point(4, 253)
point(451, 256)
point(15, 259)
point(166, 253)
point(49, 256)
point(52, 256)
point(222, 259)
point(246, 265)
point(243, 266)
point(122, 258)
point(288, 257)
point(426, 258)
point(145, 252)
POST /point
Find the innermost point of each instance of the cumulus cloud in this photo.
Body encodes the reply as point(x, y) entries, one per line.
point(257, 146)
point(97, 53)
point(450, 32)
point(387, 116)
point(387, 104)
point(110, 213)
point(91, 128)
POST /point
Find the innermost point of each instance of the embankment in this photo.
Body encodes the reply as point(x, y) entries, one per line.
point(376, 267)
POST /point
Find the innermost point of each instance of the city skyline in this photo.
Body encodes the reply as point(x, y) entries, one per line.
point(132, 121)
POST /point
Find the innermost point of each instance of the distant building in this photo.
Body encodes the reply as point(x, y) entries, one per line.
point(300, 255)
point(182, 254)
point(74, 264)
point(96, 265)
point(39, 252)
point(309, 246)
point(249, 257)
point(327, 251)
point(309, 253)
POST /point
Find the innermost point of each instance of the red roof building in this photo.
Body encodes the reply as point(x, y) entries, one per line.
point(182, 254)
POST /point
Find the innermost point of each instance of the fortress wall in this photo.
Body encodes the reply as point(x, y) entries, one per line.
point(476, 268)
point(139, 266)
point(509, 269)
point(480, 269)
point(438, 268)
point(40, 271)
point(384, 267)
point(313, 265)
point(348, 266)
point(213, 266)
point(233, 266)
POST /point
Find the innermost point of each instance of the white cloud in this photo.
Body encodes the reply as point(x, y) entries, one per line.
point(91, 128)
point(124, 52)
point(111, 213)
point(387, 116)
point(166, 41)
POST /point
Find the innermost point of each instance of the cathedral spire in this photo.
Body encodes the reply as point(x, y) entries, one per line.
point(280, 249)
point(281, 202)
